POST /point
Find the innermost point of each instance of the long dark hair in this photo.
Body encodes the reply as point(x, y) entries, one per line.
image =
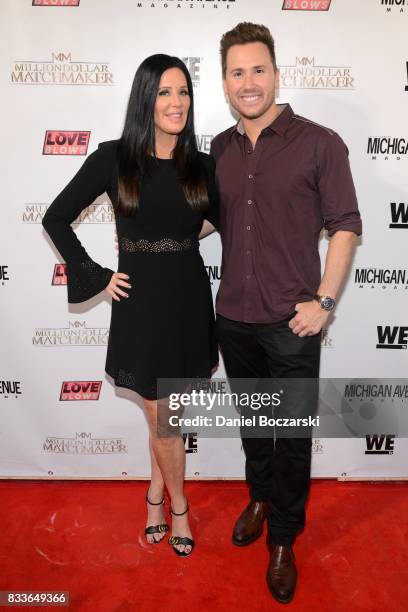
point(137, 142)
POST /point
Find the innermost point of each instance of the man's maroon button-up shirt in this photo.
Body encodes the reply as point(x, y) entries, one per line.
point(274, 201)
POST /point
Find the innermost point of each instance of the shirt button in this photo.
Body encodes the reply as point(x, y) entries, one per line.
point(250, 176)
point(248, 227)
point(249, 201)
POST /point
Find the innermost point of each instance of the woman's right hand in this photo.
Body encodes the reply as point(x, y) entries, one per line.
point(116, 281)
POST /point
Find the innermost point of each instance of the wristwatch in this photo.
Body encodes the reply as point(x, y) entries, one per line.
point(326, 302)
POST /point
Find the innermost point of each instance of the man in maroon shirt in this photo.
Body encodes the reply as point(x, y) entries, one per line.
point(282, 179)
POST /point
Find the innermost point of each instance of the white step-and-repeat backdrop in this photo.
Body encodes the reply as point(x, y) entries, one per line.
point(66, 72)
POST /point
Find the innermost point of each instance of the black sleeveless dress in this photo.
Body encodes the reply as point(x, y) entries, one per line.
point(166, 327)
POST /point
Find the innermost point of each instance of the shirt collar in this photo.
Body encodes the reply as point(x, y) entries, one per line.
point(279, 125)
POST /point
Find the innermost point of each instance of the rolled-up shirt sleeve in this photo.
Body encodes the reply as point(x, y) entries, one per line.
point(85, 277)
point(338, 198)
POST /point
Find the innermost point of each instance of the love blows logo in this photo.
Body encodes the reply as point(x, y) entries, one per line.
point(306, 5)
point(55, 2)
point(80, 390)
point(59, 276)
point(59, 142)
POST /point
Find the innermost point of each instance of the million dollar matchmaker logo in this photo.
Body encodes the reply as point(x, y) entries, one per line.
point(306, 5)
point(190, 4)
point(326, 340)
point(317, 446)
point(84, 444)
point(76, 334)
point(306, 74)
point(99, 212)
point(61, 70)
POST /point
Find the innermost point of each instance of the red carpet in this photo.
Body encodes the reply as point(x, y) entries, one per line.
point(87, 538)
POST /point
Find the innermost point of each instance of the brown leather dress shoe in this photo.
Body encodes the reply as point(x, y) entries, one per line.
point(281, 575)
point(249, 525)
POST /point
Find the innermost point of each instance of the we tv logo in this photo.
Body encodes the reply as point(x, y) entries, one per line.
point(190, 442)
point(306, 5)
point(80, 390)
point(4, 274)
point(399, 215)
point(60, 142)
point(392, 337)
point(59, 276)
point(380, 445)
point(55, 2)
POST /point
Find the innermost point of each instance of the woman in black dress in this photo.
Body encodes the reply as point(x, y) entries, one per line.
point(162, 320)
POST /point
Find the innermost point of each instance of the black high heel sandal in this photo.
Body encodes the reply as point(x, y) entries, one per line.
point(176, 540)
point(162, 528)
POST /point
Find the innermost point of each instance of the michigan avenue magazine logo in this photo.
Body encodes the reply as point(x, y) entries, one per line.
point(394, 6)
point(387, 147)
point(384, 278)
point(190, 4)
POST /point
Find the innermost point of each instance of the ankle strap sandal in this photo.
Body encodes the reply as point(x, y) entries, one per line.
point(179, 513)
point(162, 528)
point(176, 540)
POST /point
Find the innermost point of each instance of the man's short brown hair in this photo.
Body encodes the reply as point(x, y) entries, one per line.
point(246, 32)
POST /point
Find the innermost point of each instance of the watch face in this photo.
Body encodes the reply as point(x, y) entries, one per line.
point(327, 303)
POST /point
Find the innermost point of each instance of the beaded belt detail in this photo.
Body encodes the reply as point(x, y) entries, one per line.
point(164, 245)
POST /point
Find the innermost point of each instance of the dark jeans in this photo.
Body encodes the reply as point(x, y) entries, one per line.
point(277, 471)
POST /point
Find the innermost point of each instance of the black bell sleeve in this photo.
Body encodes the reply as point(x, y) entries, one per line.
point(85, 277)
